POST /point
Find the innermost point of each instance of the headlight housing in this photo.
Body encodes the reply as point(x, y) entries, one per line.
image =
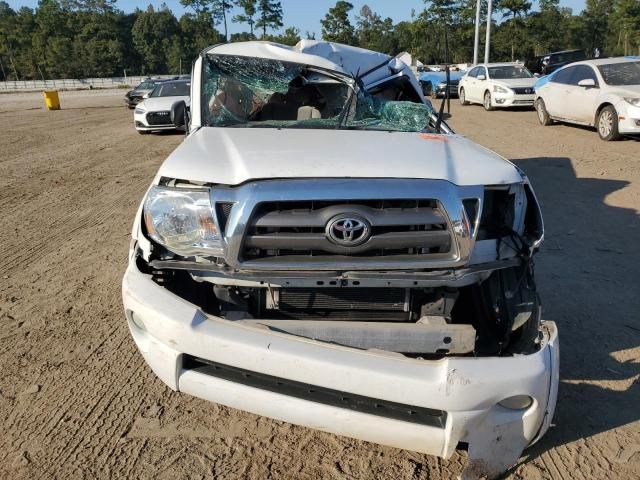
point(442, 84)
point(633, 101)
point(140, 110)
point(182, 220)
point(500, 89)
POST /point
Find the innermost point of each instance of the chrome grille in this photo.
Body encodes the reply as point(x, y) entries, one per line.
point(400, 229)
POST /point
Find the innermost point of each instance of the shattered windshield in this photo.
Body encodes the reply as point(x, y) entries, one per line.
point(146, 86)
point(255, 92)
point(627, 73)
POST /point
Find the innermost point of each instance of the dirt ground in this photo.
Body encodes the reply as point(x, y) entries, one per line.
point(77, 400)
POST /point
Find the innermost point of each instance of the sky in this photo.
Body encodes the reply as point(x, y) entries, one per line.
point(306, 14)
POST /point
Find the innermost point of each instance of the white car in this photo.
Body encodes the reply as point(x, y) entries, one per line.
point(319, 252)
point(154, 112)
point(602, 93)
point(497, 85)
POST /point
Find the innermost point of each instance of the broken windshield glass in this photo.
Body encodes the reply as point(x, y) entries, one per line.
point(255, 92)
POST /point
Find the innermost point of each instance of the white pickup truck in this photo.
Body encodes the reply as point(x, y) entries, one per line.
point(322, 249)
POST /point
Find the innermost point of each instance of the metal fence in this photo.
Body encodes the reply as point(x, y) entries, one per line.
point(73, 83)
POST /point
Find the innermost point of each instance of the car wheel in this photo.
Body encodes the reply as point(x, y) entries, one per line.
point(463, 99)
point(608, 124)
point(543, 115)
point(487, 102)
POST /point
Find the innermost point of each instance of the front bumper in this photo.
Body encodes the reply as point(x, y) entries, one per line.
point(628, 118)
point(467, 389)
point(440, 91)
point(506, 100)
point(132, 101)
point(140, 123)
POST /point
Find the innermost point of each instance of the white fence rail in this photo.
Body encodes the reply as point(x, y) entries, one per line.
point(72, 83)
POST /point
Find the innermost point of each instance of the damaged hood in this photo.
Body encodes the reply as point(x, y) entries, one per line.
point(516, 82)
point(154, 104)
point(232, 156)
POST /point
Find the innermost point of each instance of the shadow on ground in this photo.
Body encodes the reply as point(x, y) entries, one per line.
point(587, 276)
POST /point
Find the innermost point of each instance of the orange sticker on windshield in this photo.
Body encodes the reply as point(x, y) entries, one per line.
point(433, 136)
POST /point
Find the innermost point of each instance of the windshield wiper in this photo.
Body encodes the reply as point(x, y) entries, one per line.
point(345, 110)
point(446, 95)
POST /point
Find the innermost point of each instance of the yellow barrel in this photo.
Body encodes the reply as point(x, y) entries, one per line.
point(51, 99)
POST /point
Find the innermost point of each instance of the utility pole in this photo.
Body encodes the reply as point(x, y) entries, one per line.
point(15, 70)
point(488, 39)
point(446, 63)
point(4, 75)
point(476, 42)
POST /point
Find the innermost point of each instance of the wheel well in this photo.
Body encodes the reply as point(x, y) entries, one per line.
point(606, 104)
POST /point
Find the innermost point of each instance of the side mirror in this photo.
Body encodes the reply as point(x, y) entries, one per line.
point(481, 77)
point(146, 95)
point(587, 83)
point(536, 75)
point(180, 116)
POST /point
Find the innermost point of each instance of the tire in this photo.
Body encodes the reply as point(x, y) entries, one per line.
point(543, 115)
point(607, 124)
point(462, 97)
point(486, 103)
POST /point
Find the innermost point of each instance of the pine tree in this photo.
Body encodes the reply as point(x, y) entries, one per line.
point(336, 26)
point(249, 11)
point(269, 15)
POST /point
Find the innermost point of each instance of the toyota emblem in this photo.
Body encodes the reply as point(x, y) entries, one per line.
point(348, 230)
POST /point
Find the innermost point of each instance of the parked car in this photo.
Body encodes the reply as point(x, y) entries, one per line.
point(550, 62)
point(602, 93)
point(435, 83)
point(154, 113)
point(297, 257)
point(135, 96)
point(497, 85)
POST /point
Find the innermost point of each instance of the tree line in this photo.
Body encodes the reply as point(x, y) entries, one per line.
point(93, 38)
point(605, 27)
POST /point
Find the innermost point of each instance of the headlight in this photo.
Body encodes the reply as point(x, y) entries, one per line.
point(633, 101)
point(182, 221)
point(139, 110)
point(442, 85)
point(499, 89)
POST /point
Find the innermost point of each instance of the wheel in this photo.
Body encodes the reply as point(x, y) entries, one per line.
point(543, 115)
point(487, 102)
point(463, 99)
point(608, 124)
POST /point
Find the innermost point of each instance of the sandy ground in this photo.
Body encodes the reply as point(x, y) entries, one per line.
point(78, 401)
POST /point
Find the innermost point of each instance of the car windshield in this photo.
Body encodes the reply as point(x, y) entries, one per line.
point(509, 71)
point(146, 86)
point(172, 89)
point(627, 73)
point(255, 92)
